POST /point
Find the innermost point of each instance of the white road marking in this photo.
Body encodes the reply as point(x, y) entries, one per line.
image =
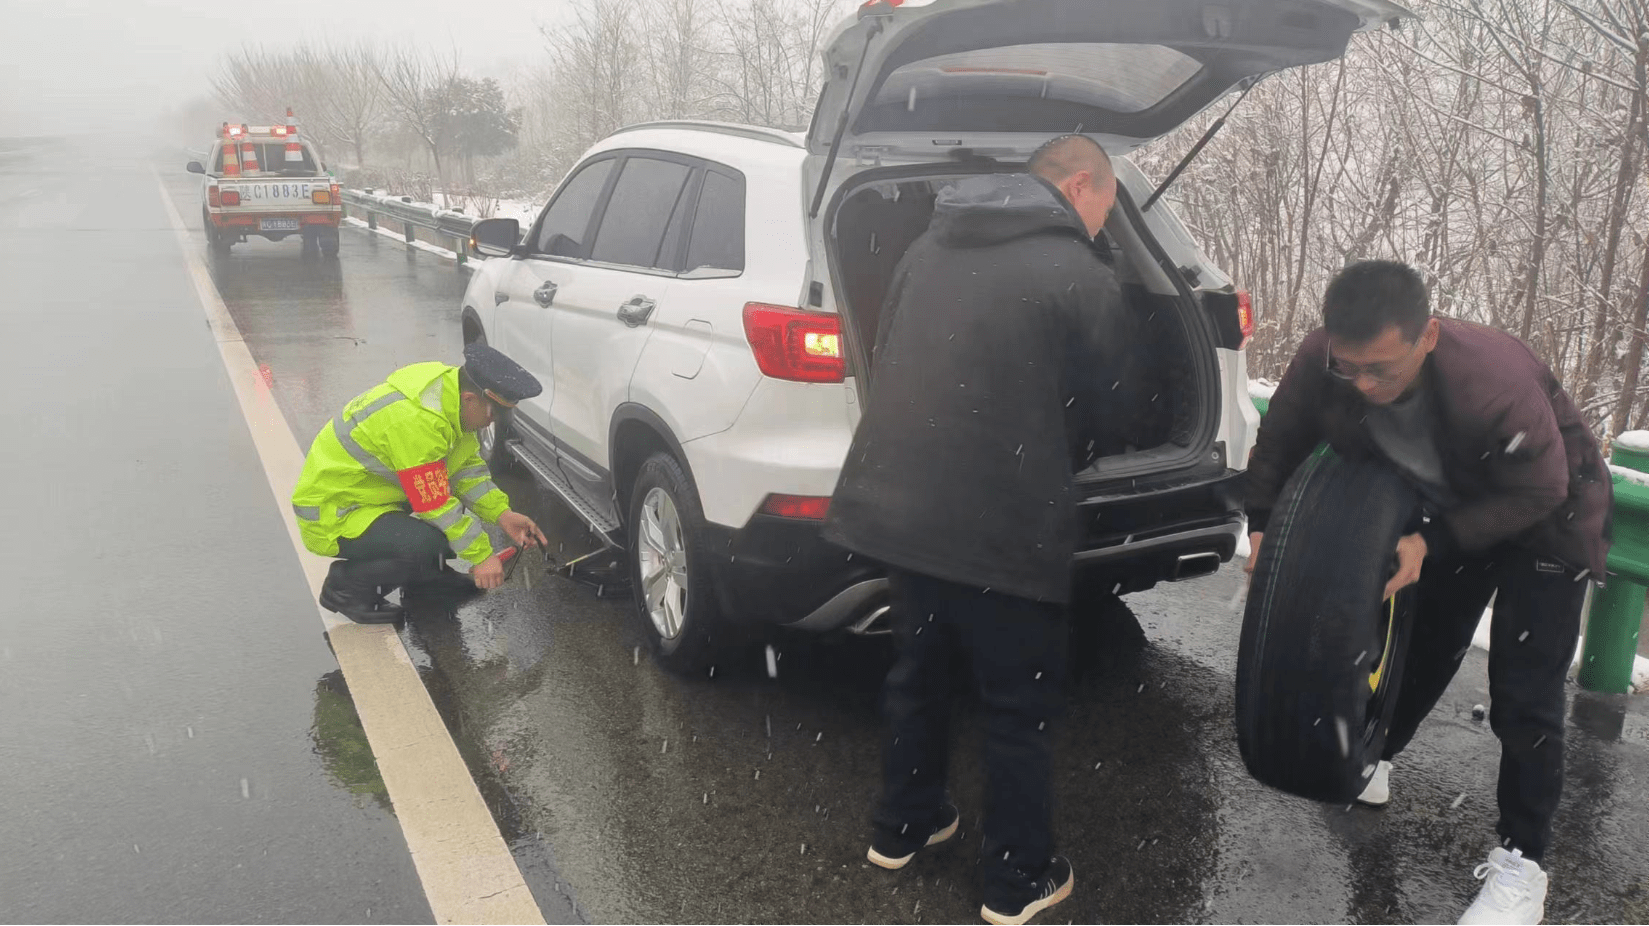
point(468, 873)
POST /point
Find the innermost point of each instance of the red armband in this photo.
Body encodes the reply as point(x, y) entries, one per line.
point(426, 486)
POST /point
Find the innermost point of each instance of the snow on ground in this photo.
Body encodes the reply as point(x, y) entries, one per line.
point(521, 210)
point(1261, 389)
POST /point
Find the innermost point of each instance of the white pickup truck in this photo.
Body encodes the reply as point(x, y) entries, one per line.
point(267, 181)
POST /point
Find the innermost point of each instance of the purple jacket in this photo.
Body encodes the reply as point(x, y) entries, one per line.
point(1515, 450)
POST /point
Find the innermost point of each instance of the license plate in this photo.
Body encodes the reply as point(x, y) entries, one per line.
point(277, 224)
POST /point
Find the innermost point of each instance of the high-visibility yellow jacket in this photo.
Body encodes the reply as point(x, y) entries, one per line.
point(399, 447)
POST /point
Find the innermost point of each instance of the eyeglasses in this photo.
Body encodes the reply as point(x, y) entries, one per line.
point(1389, 373)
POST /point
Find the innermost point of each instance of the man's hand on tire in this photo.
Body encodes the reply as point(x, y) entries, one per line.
point(1253, 551)
point(1411, 553)
point(489, 573)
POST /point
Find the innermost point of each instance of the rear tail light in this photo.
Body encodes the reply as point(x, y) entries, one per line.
point(212, 197)
point(336, 199)
point(231, 198)
point(1245, 316)
point(320, 197)
point(806, 507)
point(803, 347)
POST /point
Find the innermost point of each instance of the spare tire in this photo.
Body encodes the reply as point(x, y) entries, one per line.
point(1321, 657)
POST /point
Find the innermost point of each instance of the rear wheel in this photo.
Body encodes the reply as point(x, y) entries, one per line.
point(217, 242)
point(1320, 660)
point(328, 238)
point(675, 602)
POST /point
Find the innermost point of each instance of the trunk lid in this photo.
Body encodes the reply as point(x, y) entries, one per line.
point(917, 80)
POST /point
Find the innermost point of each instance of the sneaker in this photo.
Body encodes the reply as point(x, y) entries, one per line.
point(1378, 792)
point(895, 851)
point(1054, 887)
point(1514, 890)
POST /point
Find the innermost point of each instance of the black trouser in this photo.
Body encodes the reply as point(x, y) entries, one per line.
point(1016, 650)
point(394, 550)
point(1532, 643)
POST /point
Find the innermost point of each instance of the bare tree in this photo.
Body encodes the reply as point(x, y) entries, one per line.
point(412, 80)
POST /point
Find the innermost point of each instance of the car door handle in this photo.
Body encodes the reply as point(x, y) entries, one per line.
point(636, 312)
point(545, 293)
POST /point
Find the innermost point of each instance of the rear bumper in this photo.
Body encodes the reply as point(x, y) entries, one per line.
point(249, 222)
point(781, 571)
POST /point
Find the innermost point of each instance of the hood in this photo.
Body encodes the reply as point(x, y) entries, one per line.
point(986, 210)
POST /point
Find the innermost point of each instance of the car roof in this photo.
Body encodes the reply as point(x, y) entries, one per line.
point(728, 143)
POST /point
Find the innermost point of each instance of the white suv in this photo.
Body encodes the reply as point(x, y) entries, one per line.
point(696, 298)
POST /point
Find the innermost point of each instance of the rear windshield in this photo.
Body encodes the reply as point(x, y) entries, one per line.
point(1122, 78)
point(272, 161)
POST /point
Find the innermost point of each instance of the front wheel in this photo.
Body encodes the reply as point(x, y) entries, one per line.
point(675, 602)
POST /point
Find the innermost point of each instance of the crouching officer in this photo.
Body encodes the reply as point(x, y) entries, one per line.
point(395, 484)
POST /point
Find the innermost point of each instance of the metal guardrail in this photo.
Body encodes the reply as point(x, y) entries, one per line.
point(450, 225)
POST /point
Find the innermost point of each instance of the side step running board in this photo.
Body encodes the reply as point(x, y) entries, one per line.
point(603, 527)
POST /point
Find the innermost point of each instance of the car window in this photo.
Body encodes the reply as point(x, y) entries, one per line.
point(567, 220)
point(718, 226)
point(272, 160)
point(1126, 78)
point(675, 233)
point(639, 212)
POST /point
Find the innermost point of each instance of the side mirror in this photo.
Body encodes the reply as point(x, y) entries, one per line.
point(495, 237)
point(195, 168)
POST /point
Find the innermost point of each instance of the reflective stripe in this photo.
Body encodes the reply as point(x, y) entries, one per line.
point(472, 472)
point(469, 537)
point(307, 512)
point(376, 405)
point(367, 460)
point(445, 522)
point(475, 493)
point(346, 436)
point(345, 510)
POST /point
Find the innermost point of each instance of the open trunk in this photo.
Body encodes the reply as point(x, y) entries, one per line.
point(878, 220)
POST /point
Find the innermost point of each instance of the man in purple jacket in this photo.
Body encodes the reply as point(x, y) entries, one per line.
point(1518, 502)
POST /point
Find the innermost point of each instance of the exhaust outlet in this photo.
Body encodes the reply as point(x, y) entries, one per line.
point(1195, 565)
point(874, 624)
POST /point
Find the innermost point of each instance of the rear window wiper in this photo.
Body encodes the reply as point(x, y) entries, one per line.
point(1202, 143)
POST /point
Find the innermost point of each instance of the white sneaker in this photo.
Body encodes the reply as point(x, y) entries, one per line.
point(1514, 890)
point(1378, 791)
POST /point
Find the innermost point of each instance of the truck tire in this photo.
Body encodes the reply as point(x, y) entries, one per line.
point(216, 241)
point(676, 607)
point(328, 238)
point(1320, 660)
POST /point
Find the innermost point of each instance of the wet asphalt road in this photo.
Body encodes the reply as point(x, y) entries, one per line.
point(628, 794)
point(175, 741)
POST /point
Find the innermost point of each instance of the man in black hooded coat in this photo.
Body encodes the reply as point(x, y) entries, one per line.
point(1001, 368)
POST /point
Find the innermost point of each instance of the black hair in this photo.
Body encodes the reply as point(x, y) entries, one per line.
point(1366, 298)
point(1064, 155)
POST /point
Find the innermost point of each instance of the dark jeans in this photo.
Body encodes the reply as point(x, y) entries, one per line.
point(1536, 625)
point(395, 550)
point(1016, 651)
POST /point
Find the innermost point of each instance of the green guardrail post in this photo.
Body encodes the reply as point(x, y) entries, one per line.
point(371, 218)
point(1617, 609)
point(411, 236)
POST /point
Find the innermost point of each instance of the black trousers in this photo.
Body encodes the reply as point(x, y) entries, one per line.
point(1536, 625)
point(395, 550)
point(1015, 649)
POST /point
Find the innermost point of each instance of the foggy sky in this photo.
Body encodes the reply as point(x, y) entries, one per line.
point(72, 66)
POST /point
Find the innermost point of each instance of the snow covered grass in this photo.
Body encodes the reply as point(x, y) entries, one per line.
point(1261, 389)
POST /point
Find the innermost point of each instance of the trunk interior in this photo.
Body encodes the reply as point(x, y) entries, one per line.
point(878, 221)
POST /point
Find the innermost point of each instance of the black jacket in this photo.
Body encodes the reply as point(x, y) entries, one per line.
point(1515, 449)
point(999, 371)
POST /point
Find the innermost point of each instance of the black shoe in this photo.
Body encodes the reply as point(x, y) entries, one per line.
point(373, 610)
point(1051, 888)
point(447, 585)
point(895, 850)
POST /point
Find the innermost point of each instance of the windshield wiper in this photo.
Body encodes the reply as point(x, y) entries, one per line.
point(1197, 148)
